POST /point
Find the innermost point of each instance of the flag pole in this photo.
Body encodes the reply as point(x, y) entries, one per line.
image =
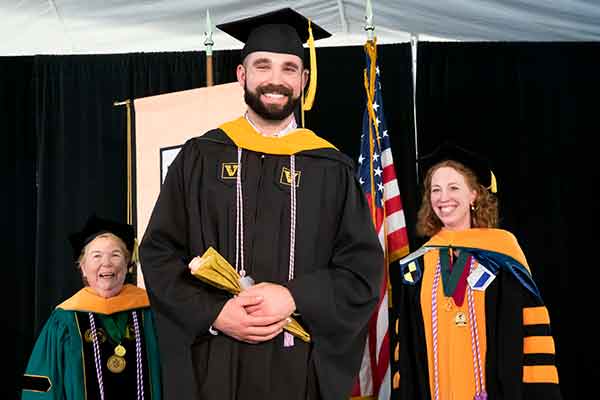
point(208, 42)
point(414, 41)
point(369, 78)
point(369, 27)
point(129, 160)
point(129, 209)
point(376, 170)
point(371, 47)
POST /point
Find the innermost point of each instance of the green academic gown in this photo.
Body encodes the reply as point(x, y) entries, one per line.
point(62, 367)
point(337, 272)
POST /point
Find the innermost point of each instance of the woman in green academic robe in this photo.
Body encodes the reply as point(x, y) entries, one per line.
point(101, 342)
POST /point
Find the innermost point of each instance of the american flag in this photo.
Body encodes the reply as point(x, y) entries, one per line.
point(378, 179)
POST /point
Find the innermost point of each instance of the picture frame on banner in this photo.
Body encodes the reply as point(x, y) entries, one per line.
point(167, 156)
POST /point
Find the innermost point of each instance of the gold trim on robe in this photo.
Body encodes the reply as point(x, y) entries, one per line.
point(245, 136)
point(87, 300)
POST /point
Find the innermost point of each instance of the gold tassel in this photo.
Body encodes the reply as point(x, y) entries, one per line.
point(312, 85)
point(494, 186)
point(302, 109)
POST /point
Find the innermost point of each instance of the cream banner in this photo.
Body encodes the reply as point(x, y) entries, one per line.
point(162, 125)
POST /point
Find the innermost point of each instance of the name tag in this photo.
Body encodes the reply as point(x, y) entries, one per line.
point(480, 278)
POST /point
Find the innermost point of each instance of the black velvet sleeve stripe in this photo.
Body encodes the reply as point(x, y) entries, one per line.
point(539, 359)
point(36, 383)
point(536, 330)
point(545, 391)
point(532, 301)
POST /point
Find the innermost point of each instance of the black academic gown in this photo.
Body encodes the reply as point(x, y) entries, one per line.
point(338, 270)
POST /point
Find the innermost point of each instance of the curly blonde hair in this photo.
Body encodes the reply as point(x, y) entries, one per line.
point(484, 213)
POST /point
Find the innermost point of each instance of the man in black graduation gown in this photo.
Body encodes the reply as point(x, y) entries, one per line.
point(284, 207)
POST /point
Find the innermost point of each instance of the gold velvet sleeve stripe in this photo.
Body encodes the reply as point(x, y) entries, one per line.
point(540, 374)
point(535, 315)
point(36, 383)
point(538, 344)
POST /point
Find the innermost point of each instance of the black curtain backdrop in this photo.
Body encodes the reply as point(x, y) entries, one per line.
point(20, 195)
point(523, 105)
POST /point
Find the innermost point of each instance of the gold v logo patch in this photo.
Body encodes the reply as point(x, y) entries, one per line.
point(229, 170)
point(286, 177)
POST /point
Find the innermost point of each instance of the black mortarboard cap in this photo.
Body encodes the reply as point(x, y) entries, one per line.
point(450, 151)
point(96, 226)
point(281, 31)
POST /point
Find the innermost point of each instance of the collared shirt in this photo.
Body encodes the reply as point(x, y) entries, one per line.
point(290, 127)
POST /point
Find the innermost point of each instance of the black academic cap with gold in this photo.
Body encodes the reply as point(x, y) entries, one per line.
point(450, 151)
point(96, 226)
point(281, 31)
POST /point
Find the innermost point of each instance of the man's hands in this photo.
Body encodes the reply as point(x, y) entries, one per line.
point(277, 300)
point(257, 314)
point(235, 321)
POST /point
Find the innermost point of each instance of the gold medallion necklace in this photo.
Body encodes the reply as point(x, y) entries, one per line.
point(116, 332)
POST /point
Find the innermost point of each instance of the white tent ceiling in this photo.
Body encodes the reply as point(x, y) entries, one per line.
point(122, 26)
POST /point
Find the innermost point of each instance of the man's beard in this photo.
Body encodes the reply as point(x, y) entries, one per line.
point(272, 112)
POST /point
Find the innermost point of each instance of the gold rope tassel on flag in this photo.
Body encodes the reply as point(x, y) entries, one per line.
point(369, 82)
point(371, 50)
point(308, 100)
